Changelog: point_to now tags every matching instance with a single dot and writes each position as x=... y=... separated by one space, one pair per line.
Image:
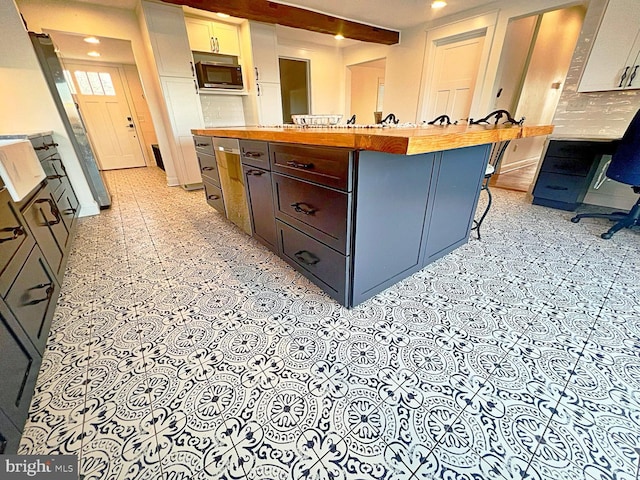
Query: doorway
x=533 y=67
x=100 y=91
x=457 y=62
x=367 y=90
x=294 y=87
x=110 y=97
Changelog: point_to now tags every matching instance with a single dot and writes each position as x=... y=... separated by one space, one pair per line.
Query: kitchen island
x=356 y=210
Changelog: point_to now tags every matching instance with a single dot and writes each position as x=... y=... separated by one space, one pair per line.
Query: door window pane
x=96 y=85
x=107 y=84
x=83 y=82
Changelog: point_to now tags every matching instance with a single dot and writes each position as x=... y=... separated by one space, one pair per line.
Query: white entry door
x=456 y=67
x=109 y=120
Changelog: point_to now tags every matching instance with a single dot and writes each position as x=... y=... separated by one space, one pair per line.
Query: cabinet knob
x=306 y=257
x=307 y=211
x=213 y=197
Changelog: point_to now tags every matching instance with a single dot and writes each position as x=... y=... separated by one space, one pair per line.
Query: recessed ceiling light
x=93 y=54
x=438 y=4
x=339 y=37
x=223 y=15
x=91 y=40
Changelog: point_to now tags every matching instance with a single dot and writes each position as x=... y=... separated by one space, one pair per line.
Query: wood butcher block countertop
x=405 y=141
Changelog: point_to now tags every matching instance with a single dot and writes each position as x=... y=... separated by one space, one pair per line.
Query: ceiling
x=390 y=14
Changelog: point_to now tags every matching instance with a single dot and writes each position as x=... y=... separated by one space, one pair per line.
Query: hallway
x=183 y=349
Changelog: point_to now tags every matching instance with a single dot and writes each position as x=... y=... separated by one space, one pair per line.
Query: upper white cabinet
x=264 y=48
x=614 y=60
x=168 y=37
x=216 y=37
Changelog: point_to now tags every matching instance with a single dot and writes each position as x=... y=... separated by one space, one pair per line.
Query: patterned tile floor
x=182 y=349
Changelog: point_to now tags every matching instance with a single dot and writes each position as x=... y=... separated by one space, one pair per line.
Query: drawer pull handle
x=306 y=257
x=255 y=173
x=555 y=187
x=42 y=147
x=624 y=75
x=207 y=169
x=633 y=75
x=54 y=177
x=16 y=231
x=213 y=197
x=307 y=211
x=306 y=166
x=54 y=211
x=253 y=154
x=47 y=145
x=202 y=145
x=49 y=293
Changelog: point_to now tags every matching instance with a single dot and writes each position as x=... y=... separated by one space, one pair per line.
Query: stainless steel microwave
x=217 y=75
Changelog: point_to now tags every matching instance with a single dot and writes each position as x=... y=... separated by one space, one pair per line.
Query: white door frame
x=472 y=27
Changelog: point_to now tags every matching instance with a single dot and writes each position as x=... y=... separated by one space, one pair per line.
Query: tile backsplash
x=222 y=110
x=593 y=113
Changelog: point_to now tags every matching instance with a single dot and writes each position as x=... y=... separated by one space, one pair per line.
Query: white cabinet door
x=200 y=34
x=169 y=42
x=265 y=53
x=185 y=113
x=269 y=104
x=215 y=37
x=614 y=55
x=226 y=38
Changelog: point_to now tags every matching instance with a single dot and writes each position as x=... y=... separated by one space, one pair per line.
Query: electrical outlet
x=578 y=104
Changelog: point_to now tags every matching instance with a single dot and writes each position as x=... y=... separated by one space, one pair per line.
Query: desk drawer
x=323 y=265
x=328 y=166
x=203 y=144
x=567 y=166
x=321 y=212
x=562 y=188
x=208 y=167
x=571 y=149
x=13 y=231
x=255 y=153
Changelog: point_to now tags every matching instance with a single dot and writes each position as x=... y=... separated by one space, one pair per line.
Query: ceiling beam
x=271 y=12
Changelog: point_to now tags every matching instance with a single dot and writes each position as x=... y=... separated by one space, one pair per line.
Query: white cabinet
x=262 y=73
x=264 y=48
x=185 y=113
x=216 y=37
x=269 y=103
x=614 y=60
x=168 y=38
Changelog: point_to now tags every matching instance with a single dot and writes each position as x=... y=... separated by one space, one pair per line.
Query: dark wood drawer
x=324 y=266
x=208 y=168
x=255 y=153
x=321 y=212
x=572 y=149
x=13 y=232
x=55 y=171
x=20 y=365
x=567 y=165
x=45 y=222
x=203 y=144
x=213 y=194
x=32 y=296
x=259 y=191
x=67 y=204
x=324 y=165
x=561 y=188
x=44 y=146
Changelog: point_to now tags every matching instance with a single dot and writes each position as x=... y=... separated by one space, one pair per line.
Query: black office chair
x=495 y=157
x=624 y=168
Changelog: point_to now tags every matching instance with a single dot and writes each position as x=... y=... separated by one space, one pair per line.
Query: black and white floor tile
x=183 y=349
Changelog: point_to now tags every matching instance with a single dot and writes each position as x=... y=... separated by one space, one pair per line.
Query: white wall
x=326 y=72
x=83 y=18
x=27 y=105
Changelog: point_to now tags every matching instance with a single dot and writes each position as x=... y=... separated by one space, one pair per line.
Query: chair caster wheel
x=575 y=219
x=606 y=235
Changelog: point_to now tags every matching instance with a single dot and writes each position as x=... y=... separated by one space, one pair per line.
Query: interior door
x=110 y=122
x=456 y=70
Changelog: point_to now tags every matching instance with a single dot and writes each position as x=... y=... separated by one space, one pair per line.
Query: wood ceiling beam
x=271 y=12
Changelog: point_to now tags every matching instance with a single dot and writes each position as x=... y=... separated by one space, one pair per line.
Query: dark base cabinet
x=357 y=222
x=567 y=170
x=37 y=232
